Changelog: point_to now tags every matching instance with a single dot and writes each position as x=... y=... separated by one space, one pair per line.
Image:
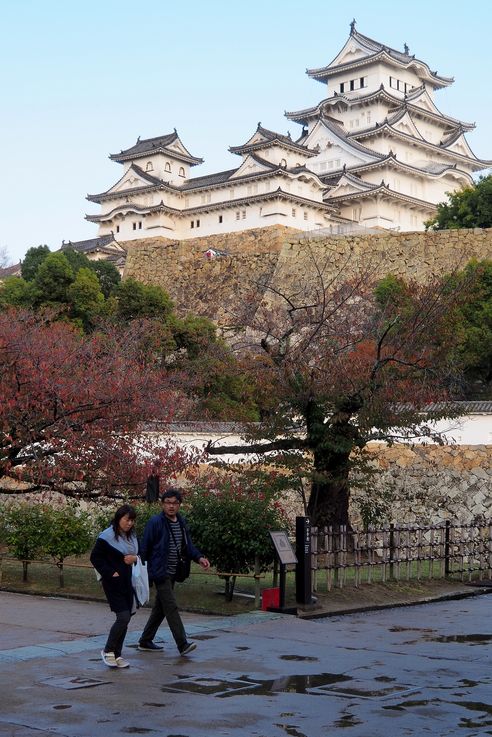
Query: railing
x=343 y=556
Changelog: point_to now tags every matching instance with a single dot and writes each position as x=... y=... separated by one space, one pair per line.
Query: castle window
x=181 y=171
x=117 y=228
x=238 y=215
x=363 y=81
x=352 y=84
x=134 y=226
x=305 y=216
x=140 y=225
x=283 y=162
x=243 y=214
x=197 y=223
x=293 y=212
x=192 y=224
x=221 y=219
x=167 y=167
x=342 y=87
x=149 y=166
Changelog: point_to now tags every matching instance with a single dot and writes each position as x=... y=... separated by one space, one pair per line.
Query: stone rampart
x=286 y=259
x=429 y=483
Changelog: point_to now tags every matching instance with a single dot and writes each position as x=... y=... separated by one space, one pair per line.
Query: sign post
x=304 y=594
x=286 y=556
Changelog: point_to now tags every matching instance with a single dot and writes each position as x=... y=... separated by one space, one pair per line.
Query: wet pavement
x=404 y=671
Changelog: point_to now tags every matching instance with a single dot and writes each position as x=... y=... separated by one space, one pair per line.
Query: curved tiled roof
x=384 y=189
x=270 y=138
x=91 y=244
x=377 y=51
x=146 y=146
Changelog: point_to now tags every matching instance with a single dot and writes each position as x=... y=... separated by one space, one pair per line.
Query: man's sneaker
x=187 y=648
x=149 y=647
x=122 y=663
x=109 y=659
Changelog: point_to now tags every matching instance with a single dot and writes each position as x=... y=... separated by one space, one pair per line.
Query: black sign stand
x=304 y=594
x=285 y=556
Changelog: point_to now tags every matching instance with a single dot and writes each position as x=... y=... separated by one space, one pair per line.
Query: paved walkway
x=406 y=671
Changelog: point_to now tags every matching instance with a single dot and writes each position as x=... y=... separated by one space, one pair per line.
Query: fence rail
x=343 y=556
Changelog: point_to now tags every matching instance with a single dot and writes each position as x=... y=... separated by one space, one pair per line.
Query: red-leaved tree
x=338 y=364
x=72 y=406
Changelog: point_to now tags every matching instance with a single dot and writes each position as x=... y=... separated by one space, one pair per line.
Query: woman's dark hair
x=115 y=522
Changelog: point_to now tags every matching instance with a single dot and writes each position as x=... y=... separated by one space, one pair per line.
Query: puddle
x=63 y=706
x=303 y=684
x=348 y=720
x=306 y=658
x=241 y=647
x=290 y=730
x=475 y=639
x=205 y=637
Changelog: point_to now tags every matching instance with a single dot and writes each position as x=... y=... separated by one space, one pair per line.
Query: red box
x=270 y=598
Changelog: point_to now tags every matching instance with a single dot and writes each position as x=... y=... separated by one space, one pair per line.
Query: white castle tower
x=375 y=153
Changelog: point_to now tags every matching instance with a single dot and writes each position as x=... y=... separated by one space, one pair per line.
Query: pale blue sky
x=81 y=80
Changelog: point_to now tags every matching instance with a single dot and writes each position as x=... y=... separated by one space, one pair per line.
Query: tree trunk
x=332 y=444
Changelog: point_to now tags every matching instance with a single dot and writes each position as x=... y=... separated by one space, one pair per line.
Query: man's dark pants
x=165 y=607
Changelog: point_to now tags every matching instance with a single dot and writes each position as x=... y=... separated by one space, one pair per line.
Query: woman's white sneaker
x=122 y=663
x=109 y=659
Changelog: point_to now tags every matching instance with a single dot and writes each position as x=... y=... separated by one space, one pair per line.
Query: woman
x=113 y=556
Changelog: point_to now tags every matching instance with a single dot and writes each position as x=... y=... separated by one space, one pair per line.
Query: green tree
x=68 y=531
x=52 y=280
x=32 y=260
x=16 y=292
x=24 y=531
x=137 y=300
x=470 y=207
x=76 y=259
x=230 y=517
x=86 y=298
x=108 y=275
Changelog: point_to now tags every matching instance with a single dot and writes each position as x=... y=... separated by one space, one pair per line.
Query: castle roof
x=105 y=243
x=430 y=112
x=365 y=51
x=170 y=144
x=264 y=138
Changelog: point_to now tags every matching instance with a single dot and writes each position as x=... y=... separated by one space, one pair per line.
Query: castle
x=375 y=153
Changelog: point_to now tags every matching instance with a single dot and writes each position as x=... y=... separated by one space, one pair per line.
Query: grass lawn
x=202 y=592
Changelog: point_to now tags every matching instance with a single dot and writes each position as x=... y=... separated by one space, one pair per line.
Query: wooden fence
x=343 y=556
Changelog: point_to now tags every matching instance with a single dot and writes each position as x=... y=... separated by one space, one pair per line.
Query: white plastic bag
x=140 y=581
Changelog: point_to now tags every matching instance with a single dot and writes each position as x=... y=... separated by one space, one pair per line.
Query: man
x=166 y=535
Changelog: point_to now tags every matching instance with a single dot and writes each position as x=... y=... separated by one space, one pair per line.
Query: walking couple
x=166 y=539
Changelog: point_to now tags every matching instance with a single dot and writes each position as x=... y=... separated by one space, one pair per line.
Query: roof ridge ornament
x=352 y=27
x=406 y=50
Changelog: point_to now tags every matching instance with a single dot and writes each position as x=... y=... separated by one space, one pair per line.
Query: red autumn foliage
x=71 y=405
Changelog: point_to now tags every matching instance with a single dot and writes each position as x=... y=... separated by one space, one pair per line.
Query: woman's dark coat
x=118 y=589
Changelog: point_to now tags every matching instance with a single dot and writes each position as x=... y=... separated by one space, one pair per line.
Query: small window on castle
x=140 y=225
x=243 y=214
x=363 y=81
x=192 y=224
x=305 y=216
x=238 y=215
x=221 y=219
x=117 y=228
x=352 y=85
x=181 y=171
x=293 y=212
x=149 y=166
x=283 y=162
x=167 y=167
x=342 y=87
x=197 y=223
x=134 y=226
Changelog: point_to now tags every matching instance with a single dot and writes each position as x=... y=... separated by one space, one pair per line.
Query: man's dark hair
x=172 y=491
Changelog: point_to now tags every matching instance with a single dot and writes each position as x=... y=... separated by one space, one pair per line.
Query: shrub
x=230 y=516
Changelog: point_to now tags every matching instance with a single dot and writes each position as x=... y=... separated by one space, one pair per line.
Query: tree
x=24 y=527
x=71 y=406
x=230 y=517
x=137 y=300
x=32 y=260
x=68 y=531
x=86 y=298
x=108 y=275
x=336 y=369
x=470 y=207
x=52 y=280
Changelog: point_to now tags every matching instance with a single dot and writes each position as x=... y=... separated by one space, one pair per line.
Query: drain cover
x=70 y=682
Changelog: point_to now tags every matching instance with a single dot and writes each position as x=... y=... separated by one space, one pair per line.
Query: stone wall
x=429 y=483
x=286 y=259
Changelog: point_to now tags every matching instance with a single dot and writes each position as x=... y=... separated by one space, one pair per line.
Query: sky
x=80 y=80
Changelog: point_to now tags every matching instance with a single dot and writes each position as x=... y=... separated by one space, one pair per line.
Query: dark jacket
x=155 y=546
x=118 y=589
